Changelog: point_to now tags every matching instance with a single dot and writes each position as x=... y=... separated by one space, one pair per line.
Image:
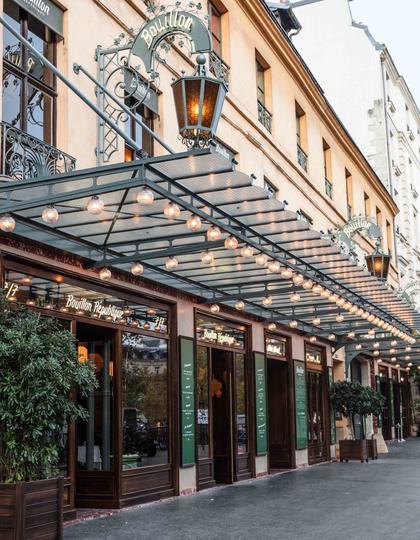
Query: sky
x=397 y=24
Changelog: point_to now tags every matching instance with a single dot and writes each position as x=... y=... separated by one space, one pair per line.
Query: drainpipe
x=388 y=156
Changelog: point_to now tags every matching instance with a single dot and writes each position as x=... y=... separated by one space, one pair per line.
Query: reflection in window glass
x=145 y=400
x=11 y=99
x=11 y=45
x=240 y=403
x=39 y=113
x=203 y=403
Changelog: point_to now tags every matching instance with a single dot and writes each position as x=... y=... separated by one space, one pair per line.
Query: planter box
x=354 y=450
x=372 y=449
x=32 y=510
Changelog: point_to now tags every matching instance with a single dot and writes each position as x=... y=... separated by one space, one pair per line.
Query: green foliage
x=39 y=372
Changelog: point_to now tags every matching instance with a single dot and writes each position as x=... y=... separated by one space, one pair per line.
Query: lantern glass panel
x=179 y=103
x=209 y=102
x=192 y=96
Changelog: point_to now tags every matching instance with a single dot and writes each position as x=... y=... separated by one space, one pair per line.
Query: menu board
x=300 y=405
x=187 y=402
x=260 y=403
x=332 y=415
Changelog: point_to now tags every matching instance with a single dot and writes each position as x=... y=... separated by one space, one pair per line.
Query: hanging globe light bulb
x=7 y=223
x=171 y=263
x=308 y=284
x=272 y=326
x=231 y=242
x=50 y=214
x=267 y=300
x=95 y=205
x=194 y=223
x=240 y=304
x=213 y=234
x=316 y=321
x=293 y=324
x=298 y=279
x=376 y=345
x=247 y=251
x=207 y=258
x=351 y=335
x=286 y=273
x=274 y=267
x=331 y=337
x=358 y=346
x=171 y=210
x=317 y=288
x=339 y=318
x=295 y=297
x=214 y=308
x=312 y=339
x=136 y=268
x=261 y=259
x=145 y=197
x=105 y=274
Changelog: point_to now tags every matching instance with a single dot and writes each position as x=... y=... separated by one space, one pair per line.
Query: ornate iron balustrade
x=219 y=68
x=328 y=188
x=24 y=156
x=264 y=116
x=302 y=158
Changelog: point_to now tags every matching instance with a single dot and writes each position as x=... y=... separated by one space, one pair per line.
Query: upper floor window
x=378 y=216
x=271 y=189
x=349 y=193
x=327 y=169
x=367 y=205
x=215 y=28
x=389 y=236
x=301 y=137
x=29 y=91
x=261 y=70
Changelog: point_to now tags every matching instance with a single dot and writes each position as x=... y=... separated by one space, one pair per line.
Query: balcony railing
x=328 y=188
x=219 y=68
x=24 y=156
x=264 y=116
x=302 y=158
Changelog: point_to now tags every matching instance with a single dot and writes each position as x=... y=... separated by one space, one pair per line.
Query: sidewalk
x=379 y=500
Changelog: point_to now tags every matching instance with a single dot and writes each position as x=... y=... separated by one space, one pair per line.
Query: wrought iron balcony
x=328 y=188
x=24 y=156
x=302 y=158
x=264 y=116
x=219 y=68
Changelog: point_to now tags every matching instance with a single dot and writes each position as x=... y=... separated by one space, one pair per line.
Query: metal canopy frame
x=204 y=183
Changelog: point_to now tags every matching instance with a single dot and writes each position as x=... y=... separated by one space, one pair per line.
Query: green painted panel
x=301 y=406
x=187 y=365
x=332 y=415
x=378 y=389
x=391 y=401
x=260 y=404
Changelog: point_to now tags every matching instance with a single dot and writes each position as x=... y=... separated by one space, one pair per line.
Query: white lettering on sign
x=173 y=20
x=222 y=339
x=97 y=306
x=39 y=5
x=356 y=224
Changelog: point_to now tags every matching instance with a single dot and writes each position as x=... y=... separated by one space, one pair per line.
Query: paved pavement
x=375 y=501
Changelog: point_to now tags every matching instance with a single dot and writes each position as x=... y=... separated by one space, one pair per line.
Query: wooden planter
x=32 y=510
x=354 y=450
x=372 y=449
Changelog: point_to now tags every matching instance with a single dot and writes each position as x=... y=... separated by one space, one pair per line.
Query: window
x=327 y=169
x=142 y=137
x=240 y=394
x=349 y=193
x=301 y=137
x=28 y=88
x=261 y=69
x=271 y=189
x=367 y=205
x=215 y=29
x=145 y=400
x=378 y=217
x=389 y=236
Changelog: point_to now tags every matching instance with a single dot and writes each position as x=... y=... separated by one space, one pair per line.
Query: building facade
x=197 y=345
x=375 y=104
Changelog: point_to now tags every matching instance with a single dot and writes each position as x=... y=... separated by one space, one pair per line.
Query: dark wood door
x=405 y=392
x=386 y=419
x=222 y=416
x=279 y=438
x=397 y=409
x=317 y=434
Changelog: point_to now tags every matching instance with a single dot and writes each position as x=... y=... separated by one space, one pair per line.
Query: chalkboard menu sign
x=378 y=389
x=300 y=405
x=187 y=402
x=391 y=401
x=332 y=415
x=260 y=404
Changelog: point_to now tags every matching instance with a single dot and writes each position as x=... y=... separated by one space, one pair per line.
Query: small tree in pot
x=350 y=398
x=39 y=372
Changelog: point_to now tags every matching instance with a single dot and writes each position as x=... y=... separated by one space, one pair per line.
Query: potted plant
x=370 y=402
x=39 y=372
x=351 y=398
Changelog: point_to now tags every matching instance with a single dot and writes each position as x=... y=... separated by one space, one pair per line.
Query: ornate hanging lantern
x=198 y=103
x=378 y=264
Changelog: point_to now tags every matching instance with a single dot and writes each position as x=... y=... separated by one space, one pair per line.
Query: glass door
x=316 y=420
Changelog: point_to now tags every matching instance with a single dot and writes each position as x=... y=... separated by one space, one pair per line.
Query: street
x=378 y=500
